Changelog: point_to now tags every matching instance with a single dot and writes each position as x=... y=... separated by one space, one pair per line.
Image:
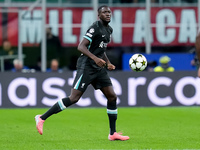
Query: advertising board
x=144 y=89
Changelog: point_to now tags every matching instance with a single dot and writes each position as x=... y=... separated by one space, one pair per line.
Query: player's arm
x=82 y=47
x=109 y=65
x=197 y=45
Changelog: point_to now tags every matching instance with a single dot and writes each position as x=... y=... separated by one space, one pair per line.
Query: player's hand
x=110 y=67
x=198 y=73
x=100 y=62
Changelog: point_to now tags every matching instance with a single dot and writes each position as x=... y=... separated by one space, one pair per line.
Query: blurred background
x=36 y=32
x=38 y=53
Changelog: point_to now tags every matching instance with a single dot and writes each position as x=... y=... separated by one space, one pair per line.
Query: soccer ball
x=138 y=62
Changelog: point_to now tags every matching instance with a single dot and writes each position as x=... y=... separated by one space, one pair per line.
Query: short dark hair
x=99 y=9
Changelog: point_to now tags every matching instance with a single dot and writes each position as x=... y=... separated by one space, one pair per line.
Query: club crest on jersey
x=91 y=30
x=103 y=45
x=83 y=84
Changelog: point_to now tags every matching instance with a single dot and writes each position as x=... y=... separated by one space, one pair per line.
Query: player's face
x=105 y=14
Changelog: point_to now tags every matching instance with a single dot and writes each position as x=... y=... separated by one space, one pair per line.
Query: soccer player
x=197 y=45
x=91 y=69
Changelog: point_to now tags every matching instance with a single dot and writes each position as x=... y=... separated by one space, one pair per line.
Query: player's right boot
x=39 y=124
x=117 y=136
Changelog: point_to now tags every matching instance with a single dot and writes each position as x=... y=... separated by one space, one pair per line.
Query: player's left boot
x=117 y=136
x=39 y=124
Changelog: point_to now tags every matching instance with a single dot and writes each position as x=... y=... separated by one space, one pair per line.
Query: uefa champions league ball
x=138 y=62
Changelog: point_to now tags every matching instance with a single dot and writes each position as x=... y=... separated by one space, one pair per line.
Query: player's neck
x=104 y=23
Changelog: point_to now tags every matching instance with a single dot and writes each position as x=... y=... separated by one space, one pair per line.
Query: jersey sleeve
x=111 y=31
x=90 y=33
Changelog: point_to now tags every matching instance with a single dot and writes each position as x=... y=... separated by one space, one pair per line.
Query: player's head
x=104 y=13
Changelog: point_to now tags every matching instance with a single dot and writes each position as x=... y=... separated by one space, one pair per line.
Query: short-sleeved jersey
x=99 y=37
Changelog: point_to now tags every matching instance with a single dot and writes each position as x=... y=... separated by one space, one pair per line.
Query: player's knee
x=74 y=99
x=112 y=98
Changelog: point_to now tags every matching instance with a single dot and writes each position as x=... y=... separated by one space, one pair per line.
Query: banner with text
x=38 y=90
x=171 y=26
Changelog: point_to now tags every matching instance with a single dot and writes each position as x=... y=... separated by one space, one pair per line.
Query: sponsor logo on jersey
x=103 y=45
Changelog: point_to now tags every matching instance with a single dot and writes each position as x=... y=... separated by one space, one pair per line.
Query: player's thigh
x=109 y=93
x=102 y=80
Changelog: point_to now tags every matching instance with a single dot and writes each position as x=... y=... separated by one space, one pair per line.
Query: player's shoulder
x=110 y=28
x=93 y=28
x=95 y=25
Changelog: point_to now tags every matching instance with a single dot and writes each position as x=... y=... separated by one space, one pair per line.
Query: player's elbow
x=80 y=48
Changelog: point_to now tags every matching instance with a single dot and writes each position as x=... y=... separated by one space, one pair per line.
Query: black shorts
x=98 y=79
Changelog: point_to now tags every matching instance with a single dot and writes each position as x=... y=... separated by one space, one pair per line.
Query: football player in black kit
x=91 y=69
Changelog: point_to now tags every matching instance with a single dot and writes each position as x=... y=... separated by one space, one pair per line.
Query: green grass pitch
x=87 y=128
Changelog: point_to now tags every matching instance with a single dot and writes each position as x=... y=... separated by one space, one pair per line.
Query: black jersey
x=99 y=36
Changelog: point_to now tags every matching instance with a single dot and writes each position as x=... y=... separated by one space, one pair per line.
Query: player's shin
x=112 y=115
x=57 y=107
